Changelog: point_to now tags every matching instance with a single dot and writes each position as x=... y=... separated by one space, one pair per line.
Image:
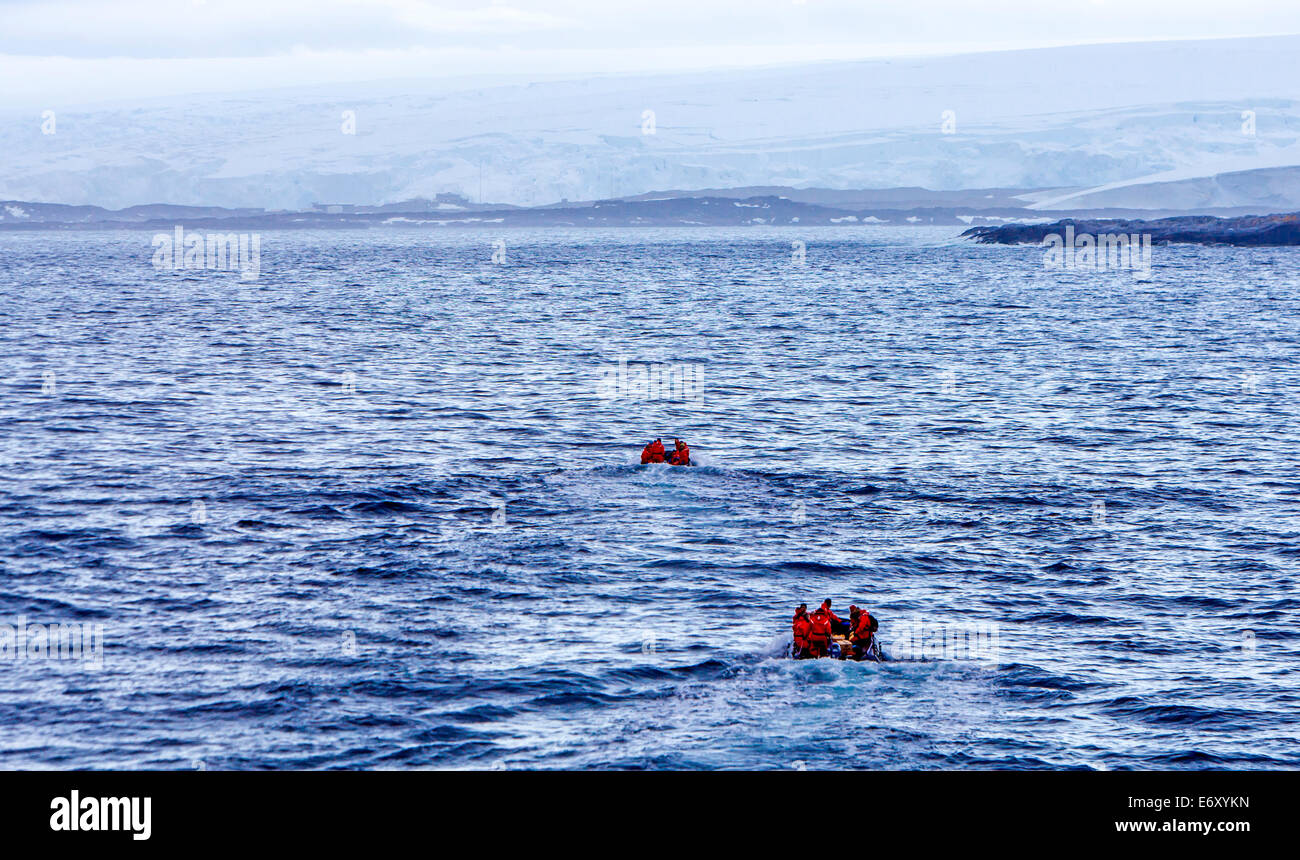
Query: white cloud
x=74 y=51
x=216 y=28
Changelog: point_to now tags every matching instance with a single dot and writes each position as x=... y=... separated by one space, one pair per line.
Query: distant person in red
x=802 y=627
x=681 y=456
x=864 y=627
x=838 y=624
x=653 y=453
x=819 y=633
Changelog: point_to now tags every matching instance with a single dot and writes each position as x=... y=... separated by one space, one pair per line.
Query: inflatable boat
x=656 y=454
x=842 y=649
x=666 y=463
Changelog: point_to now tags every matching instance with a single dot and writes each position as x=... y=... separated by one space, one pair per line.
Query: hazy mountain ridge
x=662 y=211
x=1104 y=114
x=1275 y=188
x=717 y=207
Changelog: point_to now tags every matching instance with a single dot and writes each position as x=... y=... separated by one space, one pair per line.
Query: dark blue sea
x=374 y=509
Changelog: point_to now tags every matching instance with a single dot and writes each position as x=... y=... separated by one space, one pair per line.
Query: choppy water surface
x=1103 y=467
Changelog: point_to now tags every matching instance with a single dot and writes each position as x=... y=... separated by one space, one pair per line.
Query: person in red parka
x=681 y=455
x=802 y=626
x=653 y=453
x=838 y=624
x=819 y=633
x=864 y=628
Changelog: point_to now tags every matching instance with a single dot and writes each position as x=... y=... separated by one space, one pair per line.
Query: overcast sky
x=89 y=50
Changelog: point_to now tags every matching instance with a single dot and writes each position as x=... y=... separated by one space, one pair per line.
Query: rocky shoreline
x=1281 y=229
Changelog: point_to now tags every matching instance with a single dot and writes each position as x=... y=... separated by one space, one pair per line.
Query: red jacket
x=680 y=457
x=865 y=627
x=833 y=616
x=821 y=626
x=802 y=627
x=653 y=453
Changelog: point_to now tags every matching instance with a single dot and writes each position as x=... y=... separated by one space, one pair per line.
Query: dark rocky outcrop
x=1283 y=229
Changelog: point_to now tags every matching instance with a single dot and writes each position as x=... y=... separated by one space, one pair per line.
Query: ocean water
x=374 y=509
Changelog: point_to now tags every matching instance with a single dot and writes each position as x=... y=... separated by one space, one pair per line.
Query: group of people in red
x=813 y=631
x=655 y=453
